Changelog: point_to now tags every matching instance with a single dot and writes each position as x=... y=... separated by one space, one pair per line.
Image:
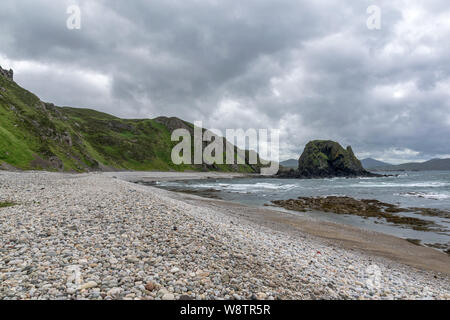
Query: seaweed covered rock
x=367 y=208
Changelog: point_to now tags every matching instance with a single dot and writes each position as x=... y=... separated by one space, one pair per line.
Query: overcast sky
x=312 y=69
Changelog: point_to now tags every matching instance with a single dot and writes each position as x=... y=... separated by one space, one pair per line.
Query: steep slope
x=38 y=135
x=370 y=163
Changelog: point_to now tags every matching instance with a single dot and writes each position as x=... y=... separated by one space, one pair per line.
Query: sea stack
x=326 y=158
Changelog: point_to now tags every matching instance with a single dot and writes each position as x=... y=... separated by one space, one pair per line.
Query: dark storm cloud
x=311 y=68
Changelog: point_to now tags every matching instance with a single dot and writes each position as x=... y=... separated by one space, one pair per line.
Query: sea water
x=428 y=189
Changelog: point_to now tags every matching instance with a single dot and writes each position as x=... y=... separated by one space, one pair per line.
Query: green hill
x=39 y=135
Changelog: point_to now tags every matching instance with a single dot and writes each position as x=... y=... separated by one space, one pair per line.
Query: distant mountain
x=433 y=164
x=370 y=163
x=291 y=163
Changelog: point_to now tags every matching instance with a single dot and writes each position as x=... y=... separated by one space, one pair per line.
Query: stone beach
x=98 y=236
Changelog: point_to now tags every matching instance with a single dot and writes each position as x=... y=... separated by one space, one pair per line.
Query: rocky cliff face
x=325 y=158
x=8 y=74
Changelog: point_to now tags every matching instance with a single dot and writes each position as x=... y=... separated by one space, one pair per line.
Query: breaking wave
x=425 y=195
x=246 y=188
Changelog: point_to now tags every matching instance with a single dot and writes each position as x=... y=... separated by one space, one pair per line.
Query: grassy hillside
x=38 y=135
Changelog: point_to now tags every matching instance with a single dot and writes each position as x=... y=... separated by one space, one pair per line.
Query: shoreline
x=287 y=215
x=349 y=237
x=368 y=242
x=139 y=242
x=148 y=176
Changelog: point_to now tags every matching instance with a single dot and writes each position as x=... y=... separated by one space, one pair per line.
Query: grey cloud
x=312 y=69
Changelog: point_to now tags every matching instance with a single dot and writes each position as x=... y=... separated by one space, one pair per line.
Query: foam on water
x=433 y=196
x=427 y=184
x=245 y=187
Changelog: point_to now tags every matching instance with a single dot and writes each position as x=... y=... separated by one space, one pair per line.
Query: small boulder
x=168 y=296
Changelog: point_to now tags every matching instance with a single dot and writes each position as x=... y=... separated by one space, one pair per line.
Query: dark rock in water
x=325 y=158
x=445 y=247
x=328 y=158
x=416 y=242
x=366 y=208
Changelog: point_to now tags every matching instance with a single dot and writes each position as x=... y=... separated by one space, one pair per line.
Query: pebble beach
x=97 y=236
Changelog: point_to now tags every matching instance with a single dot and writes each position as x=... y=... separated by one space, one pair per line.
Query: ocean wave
x=332 y=179
x=245 y=188
x=425 y=195
x=427 y=184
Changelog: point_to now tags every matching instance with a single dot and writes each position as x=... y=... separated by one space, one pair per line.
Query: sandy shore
x=100 y=236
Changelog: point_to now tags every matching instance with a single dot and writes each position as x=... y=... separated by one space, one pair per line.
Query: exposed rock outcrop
x=9 y=74
x=325 y=158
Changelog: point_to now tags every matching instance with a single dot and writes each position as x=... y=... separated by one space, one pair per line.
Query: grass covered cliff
x=39 y=135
